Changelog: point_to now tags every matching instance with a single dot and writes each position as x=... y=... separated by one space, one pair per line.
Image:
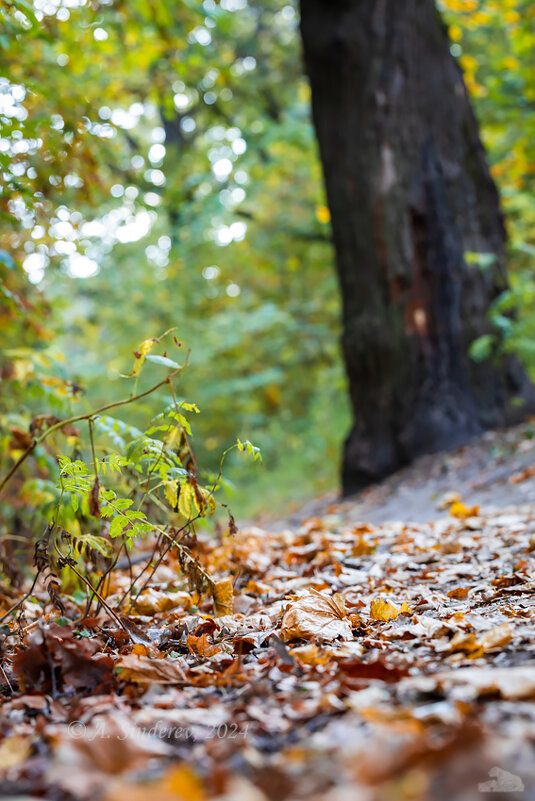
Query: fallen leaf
x=384 y=610
x=223 y=594
x=523 y=475
x=464 y=641
x=496 y=638
x=356 y=669
x=200 y=646
x=14 y=750
x=316 y=615
x=152 y=601
x=461 y=511
x=143 y=670
x=76 y=663
x=459 y=593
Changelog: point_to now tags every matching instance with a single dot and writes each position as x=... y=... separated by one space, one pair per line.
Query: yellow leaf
x=171 y=493
x=384 y=610
x=173 y=438
x=466 y=642
x=184 y=784
x=140 y=355
x=323 y=215
x=14 y=750
x=460 y=510
x=223 y=595
x=187 y=502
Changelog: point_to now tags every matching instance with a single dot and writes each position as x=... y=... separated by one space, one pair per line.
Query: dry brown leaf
x=496 y=638
x=152 y=601
x=201 y=646
x=316 y=615
x=143 y=670
x=223 y=594
x=523 y=475
x=464 y=641
x=112 y=744
x=459 y=593
x=492 y=640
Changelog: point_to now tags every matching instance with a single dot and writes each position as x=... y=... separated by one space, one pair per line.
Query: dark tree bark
x=410 y=193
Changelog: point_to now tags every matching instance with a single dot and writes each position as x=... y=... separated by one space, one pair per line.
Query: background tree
x=410 y=194
x=160 y=168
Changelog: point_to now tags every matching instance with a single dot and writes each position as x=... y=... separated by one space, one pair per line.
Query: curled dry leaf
x=316 y=615
x=94 y=498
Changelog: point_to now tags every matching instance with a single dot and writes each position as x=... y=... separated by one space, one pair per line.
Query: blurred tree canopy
x=160 y=170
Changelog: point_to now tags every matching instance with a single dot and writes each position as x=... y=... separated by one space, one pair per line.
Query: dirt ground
x=492 y=472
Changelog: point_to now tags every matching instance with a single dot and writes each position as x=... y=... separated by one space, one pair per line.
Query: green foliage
x=117 y=484
x=160 y=171
x=494 y=42
x=187 y=189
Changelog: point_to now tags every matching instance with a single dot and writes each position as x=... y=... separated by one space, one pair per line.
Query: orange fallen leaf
x=223 y=595
x=178 y=784
x=459 y=593
x=200 y=645
x=465 y=642
x=310 y=654
x=461 y=511
x=523 y=475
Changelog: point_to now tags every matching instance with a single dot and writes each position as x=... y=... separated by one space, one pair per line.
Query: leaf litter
x=334 y=661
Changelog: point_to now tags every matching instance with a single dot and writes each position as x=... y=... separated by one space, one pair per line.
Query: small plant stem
x=78 y=418
x=106 y=606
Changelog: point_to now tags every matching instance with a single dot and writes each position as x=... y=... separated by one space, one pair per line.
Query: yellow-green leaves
x=195 y=501
x=171 y=493
x=140 y=355
x=250 y=449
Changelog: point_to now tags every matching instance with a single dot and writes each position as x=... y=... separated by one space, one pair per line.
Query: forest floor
x=379 y=649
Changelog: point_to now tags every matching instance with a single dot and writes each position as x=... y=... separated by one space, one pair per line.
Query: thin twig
x=78 y=418
x=19 y=603
x=106 y=606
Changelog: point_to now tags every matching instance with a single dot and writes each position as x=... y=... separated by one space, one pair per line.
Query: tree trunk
x=410 y=193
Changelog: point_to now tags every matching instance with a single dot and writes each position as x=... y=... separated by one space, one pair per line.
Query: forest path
x=344 y=661
x=496 y=470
